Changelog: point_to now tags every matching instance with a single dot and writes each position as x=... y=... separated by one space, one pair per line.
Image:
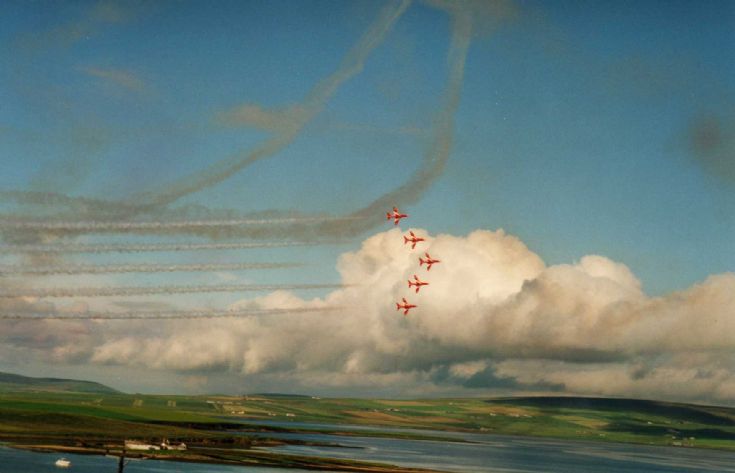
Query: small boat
x=62 y=463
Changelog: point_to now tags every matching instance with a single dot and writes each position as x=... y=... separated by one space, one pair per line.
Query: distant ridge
x=706 y=414
x=17 y=383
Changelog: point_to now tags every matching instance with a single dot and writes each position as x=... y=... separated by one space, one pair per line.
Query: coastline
x=234 y=457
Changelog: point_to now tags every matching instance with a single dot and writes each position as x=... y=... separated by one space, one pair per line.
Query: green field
x=100 y=423
x=618 y=420
x=10 y=382
x=141 y=416
x=85 y=417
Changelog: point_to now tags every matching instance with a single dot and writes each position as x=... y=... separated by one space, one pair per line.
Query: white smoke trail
x=91 y=226
x=431 y=168
x=155 y=247
x=301 y=115
x=150 y=290
x=410 y=191
x=170 y=314
x=360 y=220
x=56 y=199
x=138 y=268
x=439 y=151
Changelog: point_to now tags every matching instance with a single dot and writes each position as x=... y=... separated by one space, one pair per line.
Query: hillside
x=219 y=428
x=13 y=383
x=674 y=411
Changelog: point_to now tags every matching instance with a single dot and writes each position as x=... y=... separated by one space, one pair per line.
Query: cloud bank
x=494 y=316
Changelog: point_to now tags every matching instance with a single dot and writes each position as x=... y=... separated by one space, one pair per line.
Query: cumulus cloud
x=468 y=369
x=51 y=340
x=688 y=376
x=494 y=315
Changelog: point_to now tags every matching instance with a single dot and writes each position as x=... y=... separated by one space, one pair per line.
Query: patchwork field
x=117 y=416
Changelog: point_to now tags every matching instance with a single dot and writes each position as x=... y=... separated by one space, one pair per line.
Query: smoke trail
x=150 y=290
x=138 y=268
x=56 y=199
x=362 y=219
x=172 y=314
x=300 y=116
x=371 y=215
x=438 y=153
x=158 y=225
x=410 y=191
x=156 y=247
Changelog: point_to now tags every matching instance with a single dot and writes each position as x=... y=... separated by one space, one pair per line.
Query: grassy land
x=102 y=421
x=617 y=420
x=18 y=383
x=99 y=424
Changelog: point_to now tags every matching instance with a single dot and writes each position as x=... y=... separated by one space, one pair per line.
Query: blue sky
x=577 y=129
x=572 y=132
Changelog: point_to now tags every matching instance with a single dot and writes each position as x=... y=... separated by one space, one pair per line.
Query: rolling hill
x=10 y=383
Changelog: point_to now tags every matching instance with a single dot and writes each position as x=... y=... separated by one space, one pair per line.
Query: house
x=137 y=445
x=164 y=445
x=167 y=446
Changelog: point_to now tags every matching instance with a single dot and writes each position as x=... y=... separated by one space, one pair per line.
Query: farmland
x=112 y=417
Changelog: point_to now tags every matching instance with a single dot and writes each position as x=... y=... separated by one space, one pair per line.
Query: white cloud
x=690 y=376
x=467 y=369
x=493 y=309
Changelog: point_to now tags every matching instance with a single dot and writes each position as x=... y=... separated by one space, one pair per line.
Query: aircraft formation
x=406 y=306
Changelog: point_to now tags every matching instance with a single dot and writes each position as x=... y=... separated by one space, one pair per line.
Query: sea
x=479 y=453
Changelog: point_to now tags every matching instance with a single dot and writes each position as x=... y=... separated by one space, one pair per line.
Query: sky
x=571 y=163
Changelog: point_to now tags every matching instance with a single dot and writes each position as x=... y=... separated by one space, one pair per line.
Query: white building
x=136 y=445
x=164 y=445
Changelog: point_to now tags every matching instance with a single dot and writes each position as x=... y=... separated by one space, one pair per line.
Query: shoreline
x=234 y=457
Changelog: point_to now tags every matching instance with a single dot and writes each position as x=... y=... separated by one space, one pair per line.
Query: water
x=21 y=461
x=487 y=454
x=508 y=454
x=504 y=454
x=349 y=427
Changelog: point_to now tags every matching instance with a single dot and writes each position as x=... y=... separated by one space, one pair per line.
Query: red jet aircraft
x=396 y=215
x=405 y=306
x=418 y=283
x=428 y=261
x=414 y=239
